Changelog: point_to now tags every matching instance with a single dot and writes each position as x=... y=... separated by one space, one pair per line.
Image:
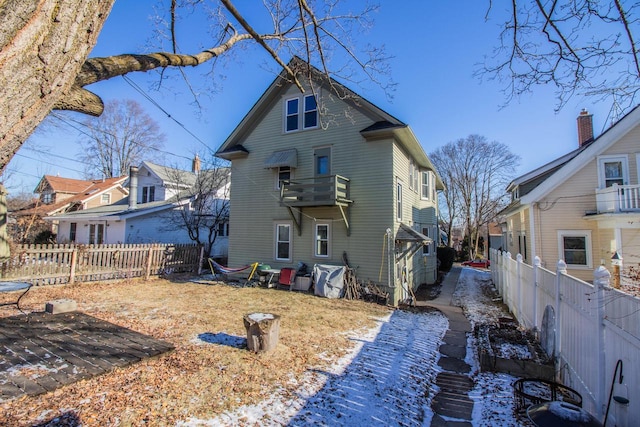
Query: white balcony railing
x=618 y=198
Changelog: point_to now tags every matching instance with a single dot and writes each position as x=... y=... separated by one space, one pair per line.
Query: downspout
x=390 y=256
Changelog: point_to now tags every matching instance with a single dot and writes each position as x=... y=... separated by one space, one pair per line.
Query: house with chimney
x=583 y=207
x=58 y=194
x=162 y=205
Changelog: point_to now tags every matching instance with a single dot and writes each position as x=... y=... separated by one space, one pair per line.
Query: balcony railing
x=332 y=190
x=618 y=198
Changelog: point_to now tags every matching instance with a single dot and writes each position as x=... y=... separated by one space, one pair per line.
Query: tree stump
x=262 y=331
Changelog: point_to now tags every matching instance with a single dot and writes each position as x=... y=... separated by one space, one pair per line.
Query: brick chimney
x=585 y=127
x=133 y=187
x=195 y=165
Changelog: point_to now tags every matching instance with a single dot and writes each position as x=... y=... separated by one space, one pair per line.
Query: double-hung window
x=575 y=247
x=283 y=242
x=321 y=240
x=105 y=199
x=425 y=186
x=96 y=234
x=426 y=249
x=72 y=231
x=284 y=174
x=301 y=113
x=148 y=194
x=292 y=114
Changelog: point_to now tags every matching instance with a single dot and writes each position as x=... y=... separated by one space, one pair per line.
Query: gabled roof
x=169 y=175
x=571 y=163
x=88 y=190
x=384 y=123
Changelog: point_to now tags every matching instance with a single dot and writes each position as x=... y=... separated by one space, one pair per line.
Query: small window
x=310 y=112
x=575 y=247
x=399 y=201
x=47 y=198
x=321 y=241
x=96 y=234
x=105 y=199
x=613 y=169
x=223 y=229
x=148 y=194
x=292 y=107
x=425 y=186
x=72 y=231
x=412 y=171
x=283 y=242
x=613 y=173
x=284 y=174
x=426 y=249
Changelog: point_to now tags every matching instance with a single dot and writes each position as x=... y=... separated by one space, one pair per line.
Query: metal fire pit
x=535 y=391
x=553 y=414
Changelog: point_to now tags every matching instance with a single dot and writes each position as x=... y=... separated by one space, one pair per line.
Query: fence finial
x=601 y=277
x=562 y=267
x=519 y=257
x=537 y=261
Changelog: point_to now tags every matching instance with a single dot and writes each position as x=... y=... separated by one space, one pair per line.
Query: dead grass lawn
x=197 y=379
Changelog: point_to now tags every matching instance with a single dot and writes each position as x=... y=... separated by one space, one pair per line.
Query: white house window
x=321 y=240
x=72 y=231
x=305 y=119
x=412 y=169
x=613 y=170
x=96 y=234
x=425 y=186
x=105 y=199
x=399 y=200
x=148 y=194
x=283 y=242
x=284 y=174
x=426 y=249
x=292 y=114
x=310 y=112
x=47 y=198
x=575 y=247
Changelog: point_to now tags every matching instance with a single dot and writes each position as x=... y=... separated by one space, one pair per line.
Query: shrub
x=446 y=256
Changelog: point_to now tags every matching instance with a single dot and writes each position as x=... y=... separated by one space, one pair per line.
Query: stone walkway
x=452 y=405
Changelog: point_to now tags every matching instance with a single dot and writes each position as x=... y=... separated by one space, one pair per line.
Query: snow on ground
x=388 y=378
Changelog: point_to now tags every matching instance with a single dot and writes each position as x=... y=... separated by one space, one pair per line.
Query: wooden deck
x=41 y=352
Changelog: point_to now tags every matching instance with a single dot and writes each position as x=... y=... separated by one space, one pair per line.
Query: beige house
x=583 y=206
x=319 y=177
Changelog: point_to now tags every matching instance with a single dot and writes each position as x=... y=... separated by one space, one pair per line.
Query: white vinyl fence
x=588 y=327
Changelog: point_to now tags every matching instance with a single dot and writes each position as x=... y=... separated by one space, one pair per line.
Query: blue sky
x=436 y=48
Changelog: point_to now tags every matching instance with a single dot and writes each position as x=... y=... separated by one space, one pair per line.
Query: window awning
x=408 y=234
x=282 y=158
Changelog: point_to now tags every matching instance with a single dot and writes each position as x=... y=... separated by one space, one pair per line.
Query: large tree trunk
x=43 y=45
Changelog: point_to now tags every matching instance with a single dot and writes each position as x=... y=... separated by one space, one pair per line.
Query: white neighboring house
x=153 y=215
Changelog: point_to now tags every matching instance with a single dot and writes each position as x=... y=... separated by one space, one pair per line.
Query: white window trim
x=609 y=158
x=301 y=112
x=304 y=112
x=286 y=115
x=428 y=251
x=576 y=233
x=412 y=170
x=326 y=223
x=106 y=196
x=422 y=185
x=399 y=205
x=276 y=185
x=275 y=240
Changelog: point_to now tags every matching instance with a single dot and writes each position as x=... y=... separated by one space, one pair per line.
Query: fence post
x=601 y=280
x=200 y=260
x=520 y=317
x=74 y=262
x=147 y=272
x=536 y=265
x=561 y=268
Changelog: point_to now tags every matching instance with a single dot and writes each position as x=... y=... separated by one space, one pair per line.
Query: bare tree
x=450 y=207
x=206 y=215
x=581 y=47
x=478 y=172
x=122 y=136
x=44 y=45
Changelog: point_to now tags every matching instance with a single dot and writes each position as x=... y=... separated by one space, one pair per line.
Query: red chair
x=287 y=278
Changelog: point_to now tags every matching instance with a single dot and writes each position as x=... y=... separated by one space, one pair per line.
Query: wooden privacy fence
x=58 y=264
x=587 y=327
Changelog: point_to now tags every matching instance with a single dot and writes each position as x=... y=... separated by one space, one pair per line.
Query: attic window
x=295 y=119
